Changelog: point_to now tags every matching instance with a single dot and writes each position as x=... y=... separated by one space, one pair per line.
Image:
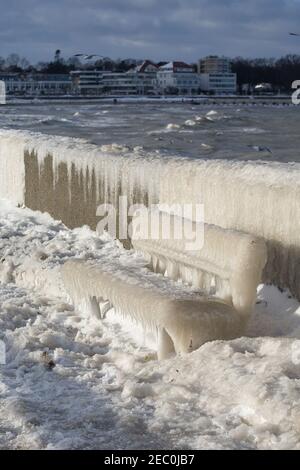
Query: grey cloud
x=159 y=29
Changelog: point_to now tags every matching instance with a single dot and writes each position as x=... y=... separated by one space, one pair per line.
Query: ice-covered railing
x=69 y=178
x=183 y=318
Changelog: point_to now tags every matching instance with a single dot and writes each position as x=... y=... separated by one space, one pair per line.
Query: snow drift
x=69 y=178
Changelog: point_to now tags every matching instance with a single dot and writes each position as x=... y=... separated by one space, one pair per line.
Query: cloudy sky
x=157 y=29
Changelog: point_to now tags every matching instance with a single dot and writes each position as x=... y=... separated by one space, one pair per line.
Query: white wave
x=212 y=113
x=172 y=126
x=190 y=122
x=253 y=130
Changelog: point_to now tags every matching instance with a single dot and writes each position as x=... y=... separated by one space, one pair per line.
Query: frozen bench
x=225 y=273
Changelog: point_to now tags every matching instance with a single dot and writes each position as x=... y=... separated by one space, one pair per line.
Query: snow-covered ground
x=104 y=388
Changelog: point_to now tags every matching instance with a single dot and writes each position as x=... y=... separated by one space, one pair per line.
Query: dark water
x=238 y=132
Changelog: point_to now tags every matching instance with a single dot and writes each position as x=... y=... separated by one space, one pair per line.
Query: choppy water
x=234 y=132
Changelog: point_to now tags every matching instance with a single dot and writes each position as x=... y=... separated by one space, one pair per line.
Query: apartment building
x=138 y=81
x=216 y=75
x=37 y=84
x=177 y=78
x=218 y=83
x=174 y=78
x=214 y=64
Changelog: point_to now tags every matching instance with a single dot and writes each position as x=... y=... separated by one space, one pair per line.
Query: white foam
x=212 y=113
x=190 y=123
x=172 y=126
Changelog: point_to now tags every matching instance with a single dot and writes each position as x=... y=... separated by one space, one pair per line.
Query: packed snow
x=77 y=382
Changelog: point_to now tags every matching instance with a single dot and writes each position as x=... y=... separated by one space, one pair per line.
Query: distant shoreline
x=195 y=100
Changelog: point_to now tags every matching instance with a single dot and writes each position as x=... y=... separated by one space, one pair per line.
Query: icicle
x=154 y=261
x=207 y=281
x=104 y=308
x=197 y=278
x=162 y=266
x=172 y=270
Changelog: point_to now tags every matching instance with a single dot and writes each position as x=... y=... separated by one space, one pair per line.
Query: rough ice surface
x=261 y=198
x=12 y=168
x=234 y=261
x=202 y=255
x=183 y=320
x=107 y=390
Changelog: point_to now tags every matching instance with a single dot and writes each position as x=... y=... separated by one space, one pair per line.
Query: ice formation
x=12 y=167
x=69 y=178
x=232 y=261
x=183 y=321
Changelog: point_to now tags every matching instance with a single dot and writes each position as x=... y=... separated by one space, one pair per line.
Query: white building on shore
x=218 y=83
x=138 y=81
x=177 y=78
x=37 y=84
x=214 y=64
x=173 y=78
x=216 y=75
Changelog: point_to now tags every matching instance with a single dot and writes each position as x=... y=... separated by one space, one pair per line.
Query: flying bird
x=294 y=34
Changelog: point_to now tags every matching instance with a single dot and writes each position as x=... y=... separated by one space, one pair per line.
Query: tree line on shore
x=280 y=73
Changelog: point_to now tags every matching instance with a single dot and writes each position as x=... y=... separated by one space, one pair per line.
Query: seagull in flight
x=294 y=34
x=88 y=56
